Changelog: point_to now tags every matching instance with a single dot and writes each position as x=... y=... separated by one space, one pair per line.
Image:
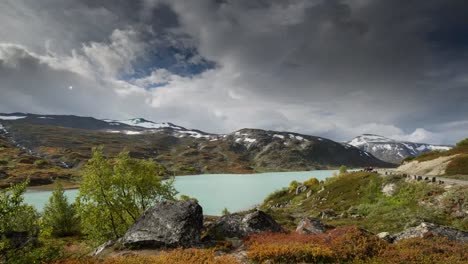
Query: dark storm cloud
x=333 y=68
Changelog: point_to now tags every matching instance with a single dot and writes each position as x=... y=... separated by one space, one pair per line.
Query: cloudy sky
x=333 y=68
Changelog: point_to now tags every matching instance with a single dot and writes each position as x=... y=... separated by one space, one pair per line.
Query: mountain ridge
x=67 y=141
x=390 y=150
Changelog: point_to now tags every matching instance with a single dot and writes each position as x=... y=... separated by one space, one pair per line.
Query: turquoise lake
x=217 y=191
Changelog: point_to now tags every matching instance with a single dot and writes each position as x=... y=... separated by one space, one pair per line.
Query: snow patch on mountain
x=140 y=122
x=391 y=150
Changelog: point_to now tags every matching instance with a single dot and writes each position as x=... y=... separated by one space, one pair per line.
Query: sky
x=331 y=68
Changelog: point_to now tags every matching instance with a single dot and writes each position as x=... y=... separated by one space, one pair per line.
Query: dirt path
x=447 y=181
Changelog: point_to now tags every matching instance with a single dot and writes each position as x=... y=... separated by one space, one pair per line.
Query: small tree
x=343 y=169
x=59 y=215
x=114 y=193
x=226 y=211
x=15 y=217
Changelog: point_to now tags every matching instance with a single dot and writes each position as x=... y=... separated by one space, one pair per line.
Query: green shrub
x=463 y=143
x=59 y=215
x=184 y=197
x=312 y=182
x=226 y=211
x=293 y=185
x=343 y=169
x=458 y=165
x=44 y=253
x=40 y=163
x=3 y=162
x=15 y=216
x=114 y=193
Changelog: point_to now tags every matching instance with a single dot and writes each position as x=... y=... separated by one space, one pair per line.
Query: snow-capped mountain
x=69 y=139
x=390 y=150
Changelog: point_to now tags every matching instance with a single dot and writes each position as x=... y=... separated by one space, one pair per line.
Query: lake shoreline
x=67 y=185
x=215 y=192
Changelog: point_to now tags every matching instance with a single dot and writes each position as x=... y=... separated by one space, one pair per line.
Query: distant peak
x=140 y=120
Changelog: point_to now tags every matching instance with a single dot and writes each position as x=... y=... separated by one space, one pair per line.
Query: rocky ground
x=180 y=224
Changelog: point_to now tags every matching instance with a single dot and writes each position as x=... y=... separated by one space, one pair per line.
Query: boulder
x=389 y=189
x=328 y=214
x=300 y=189
x=99 y=250
x=428 y=229
x=167 y=224
x=310 y=226
x=385 y=236
x=238 y=226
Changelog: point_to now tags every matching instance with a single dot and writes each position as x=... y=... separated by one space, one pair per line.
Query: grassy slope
x=73 y=146
x=358 y=198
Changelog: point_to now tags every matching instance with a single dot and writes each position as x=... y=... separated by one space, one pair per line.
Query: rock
x=234 y=225
x=428 y=229
x=167 y=224
x=309 y=193
x=386 y=236
x=281 y=205
x=310 y=226
x=103 y=247
x=327 y=213
x=389 y=189
x=301 y=189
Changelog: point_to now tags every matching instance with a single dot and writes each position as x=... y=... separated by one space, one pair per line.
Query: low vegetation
x=16 y=166
x=357 y=199
x=351 y=245
x=177 y=256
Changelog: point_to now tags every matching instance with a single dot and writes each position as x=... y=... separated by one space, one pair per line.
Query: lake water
x=217 y=191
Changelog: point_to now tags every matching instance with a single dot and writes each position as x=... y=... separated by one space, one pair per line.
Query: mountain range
x=66 y=141
x=391 y=150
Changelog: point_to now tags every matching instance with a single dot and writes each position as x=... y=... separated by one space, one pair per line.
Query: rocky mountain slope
x=68 y=140
x=390 y=150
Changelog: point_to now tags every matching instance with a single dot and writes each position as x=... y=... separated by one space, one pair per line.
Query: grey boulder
x=167 y=224
x=428 y=229
x=310 y=226
x=238 y=226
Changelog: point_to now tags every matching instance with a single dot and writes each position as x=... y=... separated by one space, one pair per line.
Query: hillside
x=370 y=201
x=66 y=141
x=390 y=150
x=452 y=163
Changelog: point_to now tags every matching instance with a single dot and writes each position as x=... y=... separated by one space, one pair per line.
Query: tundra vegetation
x=116 y=191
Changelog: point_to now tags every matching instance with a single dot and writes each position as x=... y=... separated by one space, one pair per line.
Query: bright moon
x=70 y=87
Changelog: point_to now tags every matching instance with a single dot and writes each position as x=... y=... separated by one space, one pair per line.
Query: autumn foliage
x=352 y=245
x=341 y=244
x=177 y=256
